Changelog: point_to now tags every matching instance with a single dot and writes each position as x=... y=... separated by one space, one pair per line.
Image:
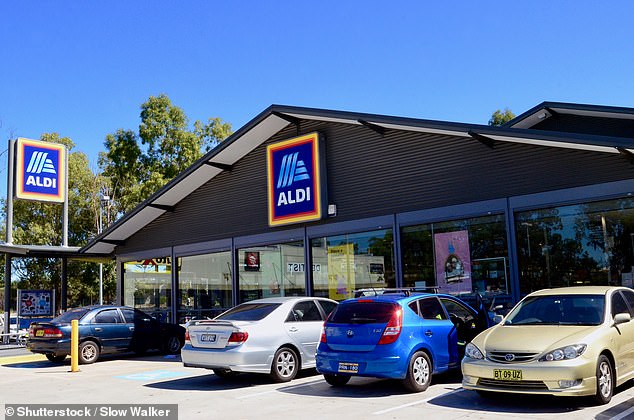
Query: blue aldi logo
x=40 y=171
x=294 y=180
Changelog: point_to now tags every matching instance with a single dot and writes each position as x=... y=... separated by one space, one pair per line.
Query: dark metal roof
x=546 y=109
x=277 y=117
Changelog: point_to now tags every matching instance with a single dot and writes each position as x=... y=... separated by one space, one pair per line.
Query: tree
x=499 y=118
x=136 y=166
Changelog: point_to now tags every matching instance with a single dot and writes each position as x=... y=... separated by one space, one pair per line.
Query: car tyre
x=56 y=358
x=336 y=380
x=172 y=345
x=224 y=373
x=605 y=380
x=285 y=365
x=88 y=352
x=419 y=372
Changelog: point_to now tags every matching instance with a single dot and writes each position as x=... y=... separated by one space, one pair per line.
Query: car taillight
x=187 y=338
x=393 y=328
x=322 y=339
x=45 y=332
x=238 y=337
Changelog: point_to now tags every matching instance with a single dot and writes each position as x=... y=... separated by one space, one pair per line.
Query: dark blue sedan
x=398 y=335
x=104 y=329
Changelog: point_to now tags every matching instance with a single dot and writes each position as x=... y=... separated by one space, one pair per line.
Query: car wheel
x=224 y=373
x=172 y=345
x=605 y=380
x=285 y=365
x=56 y=358
x=336 y=380
x=88 y=352
x=419 y=372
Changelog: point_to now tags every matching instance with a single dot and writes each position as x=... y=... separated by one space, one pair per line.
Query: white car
x=276 y=336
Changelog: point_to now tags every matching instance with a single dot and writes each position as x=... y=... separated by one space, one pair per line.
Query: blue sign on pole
x=40 y=171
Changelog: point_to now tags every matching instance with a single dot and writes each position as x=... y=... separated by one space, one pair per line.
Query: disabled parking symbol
x=153 y=375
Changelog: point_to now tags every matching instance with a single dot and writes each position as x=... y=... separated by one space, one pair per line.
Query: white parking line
x=398 y=407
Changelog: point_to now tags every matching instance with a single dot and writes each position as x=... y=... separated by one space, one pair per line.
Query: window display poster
x=251 y=261
x=453 y=261
x=341 y=279
x=35 y=303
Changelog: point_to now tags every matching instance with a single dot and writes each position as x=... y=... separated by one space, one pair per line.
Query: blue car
x=398 y=335
x=103 y=329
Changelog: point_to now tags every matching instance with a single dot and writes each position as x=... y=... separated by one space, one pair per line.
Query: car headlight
x=473 y=352
x=564 y=353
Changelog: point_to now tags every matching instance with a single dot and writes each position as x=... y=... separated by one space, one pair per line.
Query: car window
x=327 y=306
x=618 y=304
x=430 y=308
x=128 y=315
x=560 y=309
x=107 y=316
x=629 y=297
x=249 y=312
x=71 y=315
x=363 y=313
x=304 y=311
x=456 y=308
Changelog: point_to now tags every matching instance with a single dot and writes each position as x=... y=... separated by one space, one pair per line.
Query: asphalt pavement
x=199 y=394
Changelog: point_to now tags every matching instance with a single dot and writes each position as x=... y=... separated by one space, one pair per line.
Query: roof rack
x=407 y=291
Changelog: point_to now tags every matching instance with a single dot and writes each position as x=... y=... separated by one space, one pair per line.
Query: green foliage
x=136 y=166
x=499 y=118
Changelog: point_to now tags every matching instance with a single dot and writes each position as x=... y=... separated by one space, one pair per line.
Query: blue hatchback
x=398 y=335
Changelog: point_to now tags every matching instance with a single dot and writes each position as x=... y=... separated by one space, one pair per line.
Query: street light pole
x=104 y=199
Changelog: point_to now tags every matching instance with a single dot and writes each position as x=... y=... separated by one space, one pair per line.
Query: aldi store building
x=317 y=202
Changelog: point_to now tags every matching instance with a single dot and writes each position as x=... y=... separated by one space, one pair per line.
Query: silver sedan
x=277 y=336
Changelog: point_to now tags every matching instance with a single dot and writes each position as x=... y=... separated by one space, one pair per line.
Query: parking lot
x=199 y=394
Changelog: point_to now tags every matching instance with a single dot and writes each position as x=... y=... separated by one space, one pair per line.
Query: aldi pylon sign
x=40 y=171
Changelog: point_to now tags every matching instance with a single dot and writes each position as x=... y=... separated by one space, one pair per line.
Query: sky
x=83 y=68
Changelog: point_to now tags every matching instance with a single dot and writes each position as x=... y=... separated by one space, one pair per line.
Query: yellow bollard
x=74 y=346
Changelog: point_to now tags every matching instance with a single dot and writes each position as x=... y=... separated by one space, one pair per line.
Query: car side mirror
x=497 y=319
x=621 y=318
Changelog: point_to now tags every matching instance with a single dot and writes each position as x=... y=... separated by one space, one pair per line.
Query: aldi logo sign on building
x=40 y=171
x=295 y=185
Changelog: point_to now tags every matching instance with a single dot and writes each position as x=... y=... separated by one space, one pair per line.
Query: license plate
x=348 y=367
x=208 y=338
x=507 y=374
x=39 y=333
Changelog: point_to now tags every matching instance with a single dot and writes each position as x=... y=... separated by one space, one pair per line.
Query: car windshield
x=70 y=315
x=249 y=312
x=558 y=310
x=363 y=313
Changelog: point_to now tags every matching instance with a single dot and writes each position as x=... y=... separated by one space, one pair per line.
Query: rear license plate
x=507 y=374
x=208 y=338
x=345 y=367
x=39 y=333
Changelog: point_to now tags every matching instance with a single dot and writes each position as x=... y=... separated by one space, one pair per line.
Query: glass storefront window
x=459 y=256
x=205 y=288
x=148 y=286
x=584 y=244
x=344 y=263
x=271 y=270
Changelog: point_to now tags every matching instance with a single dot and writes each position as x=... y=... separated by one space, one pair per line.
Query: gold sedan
x=570 y=341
